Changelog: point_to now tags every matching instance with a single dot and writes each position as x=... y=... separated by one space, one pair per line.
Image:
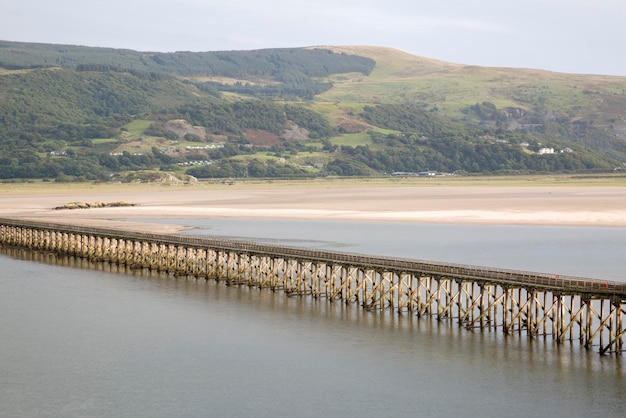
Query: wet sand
x=534 y=205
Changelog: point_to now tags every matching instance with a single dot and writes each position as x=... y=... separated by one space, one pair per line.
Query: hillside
x=70 y=112
x=587 y=109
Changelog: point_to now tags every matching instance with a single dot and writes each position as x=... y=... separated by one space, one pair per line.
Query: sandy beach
x=530 y=205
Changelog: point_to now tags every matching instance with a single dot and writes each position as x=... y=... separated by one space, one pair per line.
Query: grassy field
x=352 y=140
x=137 y=127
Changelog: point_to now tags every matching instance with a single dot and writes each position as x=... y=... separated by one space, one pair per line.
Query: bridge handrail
x=383 y=263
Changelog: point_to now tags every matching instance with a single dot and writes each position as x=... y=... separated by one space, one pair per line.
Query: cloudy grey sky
x=576 y=36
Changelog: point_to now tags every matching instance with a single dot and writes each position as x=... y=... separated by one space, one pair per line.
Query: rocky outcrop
x=85 y=205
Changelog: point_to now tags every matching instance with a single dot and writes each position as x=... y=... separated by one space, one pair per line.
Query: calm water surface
x=80 y=339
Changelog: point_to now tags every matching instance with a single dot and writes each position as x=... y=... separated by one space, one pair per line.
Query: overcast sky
x=576 y=36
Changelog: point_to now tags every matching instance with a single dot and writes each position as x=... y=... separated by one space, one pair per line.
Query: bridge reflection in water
x=537 y=305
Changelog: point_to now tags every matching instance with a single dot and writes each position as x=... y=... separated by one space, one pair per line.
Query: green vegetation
x=288 y=72
x=77 y=113
x=137 y=127
x=353 y=140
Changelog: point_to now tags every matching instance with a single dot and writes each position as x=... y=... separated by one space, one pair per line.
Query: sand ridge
x=541 y=205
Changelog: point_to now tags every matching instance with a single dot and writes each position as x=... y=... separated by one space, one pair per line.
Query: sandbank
x=519 y=205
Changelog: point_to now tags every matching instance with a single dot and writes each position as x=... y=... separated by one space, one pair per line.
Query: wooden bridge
x=537 y=305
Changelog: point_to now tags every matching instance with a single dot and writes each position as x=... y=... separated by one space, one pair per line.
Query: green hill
x=586 y=109
x=71 y=112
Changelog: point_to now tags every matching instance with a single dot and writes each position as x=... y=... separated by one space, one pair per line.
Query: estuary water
x=81 y=339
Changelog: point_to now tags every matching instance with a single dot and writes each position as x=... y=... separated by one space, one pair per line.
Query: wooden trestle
x=537 y=305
